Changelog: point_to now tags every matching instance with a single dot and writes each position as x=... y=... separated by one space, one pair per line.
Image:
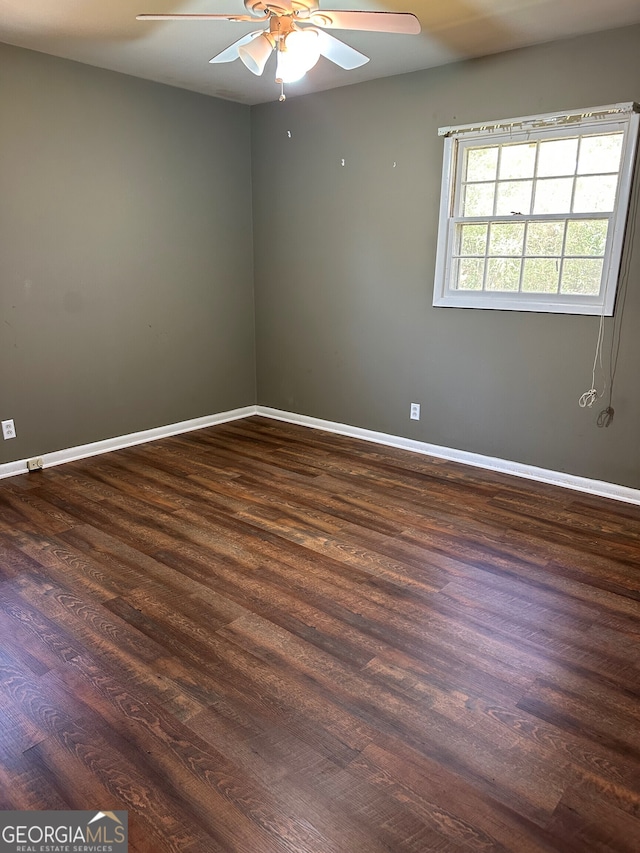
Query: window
x=533 y=212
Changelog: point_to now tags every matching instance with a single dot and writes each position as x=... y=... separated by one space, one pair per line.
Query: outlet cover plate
x=415 y=412
x=8 y=429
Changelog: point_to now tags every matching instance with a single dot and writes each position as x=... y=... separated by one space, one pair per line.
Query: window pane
x=600 y=153
x=518 y=161
x=514 y=197
x=553 y=195
x=478 y=200
x=557 y=157
x=545 y=238
x=482 y=164
x=581 y=276
x=540 y=275
x=503 y=274
x=470 y=273
x=586 y=237
x=473 y=239
x=595 y=194
x=506 y=238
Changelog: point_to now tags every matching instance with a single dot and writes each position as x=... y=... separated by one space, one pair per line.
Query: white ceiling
x=105 y=33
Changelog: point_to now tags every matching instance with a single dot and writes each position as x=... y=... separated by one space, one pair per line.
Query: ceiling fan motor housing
x=260 y=8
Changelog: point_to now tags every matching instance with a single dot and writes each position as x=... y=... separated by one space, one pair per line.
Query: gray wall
x=126 y=275
x=344 y=260
x=126 y=271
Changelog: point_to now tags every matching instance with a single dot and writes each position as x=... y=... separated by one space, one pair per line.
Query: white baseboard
x=71 y=454
x=504 y=466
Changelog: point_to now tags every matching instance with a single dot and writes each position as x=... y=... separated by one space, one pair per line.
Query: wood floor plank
x=439 y=724
x=588 y=826
x=261 y=638
x=24 y=786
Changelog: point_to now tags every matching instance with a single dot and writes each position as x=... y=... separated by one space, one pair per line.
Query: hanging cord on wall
x=605 y=417
x=589 y=397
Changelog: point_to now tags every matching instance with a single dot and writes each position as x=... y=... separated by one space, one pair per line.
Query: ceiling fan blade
x=376 y=22
x=198 y=17
x=229 y=54
x=337 y=51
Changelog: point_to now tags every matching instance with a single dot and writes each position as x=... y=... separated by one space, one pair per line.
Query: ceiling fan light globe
x=255 y=54
x=300 y=52
x=287 y=72
x=304 y=45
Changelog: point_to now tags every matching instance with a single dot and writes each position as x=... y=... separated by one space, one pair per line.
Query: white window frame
x=615 y=117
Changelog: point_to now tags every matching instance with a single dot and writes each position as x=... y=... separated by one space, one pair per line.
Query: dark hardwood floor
x=260 y=638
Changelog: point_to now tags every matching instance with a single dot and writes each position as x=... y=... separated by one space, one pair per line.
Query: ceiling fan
x=296 y=32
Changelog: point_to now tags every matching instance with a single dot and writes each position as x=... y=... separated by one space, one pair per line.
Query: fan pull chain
x=282 y=97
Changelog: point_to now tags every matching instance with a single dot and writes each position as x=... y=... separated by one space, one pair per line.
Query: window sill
x=499 y=302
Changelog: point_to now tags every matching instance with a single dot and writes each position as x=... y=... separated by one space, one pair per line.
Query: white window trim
x=623 y=117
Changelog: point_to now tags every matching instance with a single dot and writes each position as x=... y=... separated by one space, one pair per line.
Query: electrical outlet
x=35 y=464
x=8 y=429
x=415 y=412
